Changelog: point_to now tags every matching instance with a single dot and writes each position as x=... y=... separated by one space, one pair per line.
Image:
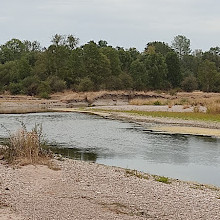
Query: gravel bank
x=82 y=190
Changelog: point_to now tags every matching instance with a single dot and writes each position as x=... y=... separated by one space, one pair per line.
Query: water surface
x=128 y=145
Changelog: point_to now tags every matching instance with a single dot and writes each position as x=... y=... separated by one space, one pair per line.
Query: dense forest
x=28 y=68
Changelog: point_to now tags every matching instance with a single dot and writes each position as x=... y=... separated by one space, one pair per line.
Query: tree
x=32 y=46
x=23 y=68
x=113 y=56
x=68 y=41
x=181 y=45
x=76 y=68
x=207 y=75
x=12 y=50
x=139 y=75
x=159 y=47
x=213 y=55
x=173 y=67
x=57 y=60
x=157 y=71
x=97 y=65
x=134 y=53
x=125 y=59
x=8 y=73
x=103 y=43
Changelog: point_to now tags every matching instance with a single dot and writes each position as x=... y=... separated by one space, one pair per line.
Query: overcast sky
x=127 y=23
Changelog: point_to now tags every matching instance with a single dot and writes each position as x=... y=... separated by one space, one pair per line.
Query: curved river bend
x=128 y=145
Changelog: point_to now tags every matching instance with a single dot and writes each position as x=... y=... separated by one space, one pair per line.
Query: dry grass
x=210 y=100
x=151 y=101
x=26 y=147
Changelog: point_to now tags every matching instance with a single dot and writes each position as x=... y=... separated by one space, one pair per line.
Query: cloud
x=129 y=23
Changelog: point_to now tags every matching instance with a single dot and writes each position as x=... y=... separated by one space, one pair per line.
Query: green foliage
x=43 y=87
x=189 y=84
x=30 y=85
x=85 y=85
x=26 y=68
x=97 y=65
x=44 y=95
x=157 y=103
x=113 y=56
x=159 y=47
x=173 y=67
x=157 y=71
x=56 y=84
x=12 y=50
x=139 y=74
x=207 y=74
x=15 y=88
x=125 y=59
x=181 y=45
x=162 y=179
x=69 y=41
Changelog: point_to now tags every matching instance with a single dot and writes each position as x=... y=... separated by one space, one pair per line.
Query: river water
x=122 y=144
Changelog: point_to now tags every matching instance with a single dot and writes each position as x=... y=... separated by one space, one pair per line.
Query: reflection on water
x=75 y=153
x=128 y=145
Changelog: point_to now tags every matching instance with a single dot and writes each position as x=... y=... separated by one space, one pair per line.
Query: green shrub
x=157 y=103
x=85 y=85
x=15 y=88
x=162 y=179
x=56 y=84
x=189 y=84
x=44 y=87
x=44 y=95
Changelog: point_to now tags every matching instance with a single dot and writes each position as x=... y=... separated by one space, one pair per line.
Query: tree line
x=28 y=68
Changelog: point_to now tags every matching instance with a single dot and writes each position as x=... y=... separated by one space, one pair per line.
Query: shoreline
x=83 y=190
x=159 y=124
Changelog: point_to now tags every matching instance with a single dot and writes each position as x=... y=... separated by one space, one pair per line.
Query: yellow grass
x=25 y=147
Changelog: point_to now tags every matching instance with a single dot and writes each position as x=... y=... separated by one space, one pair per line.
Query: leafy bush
x=44 y=95
x=157 y=103
x=43 y=87
x=15 y=88
x=30 y=85
x=189 y=84
x=85 y=85
x=56 y=84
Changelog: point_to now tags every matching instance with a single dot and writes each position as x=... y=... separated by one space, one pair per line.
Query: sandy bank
x=158 y=124
x=82 y=190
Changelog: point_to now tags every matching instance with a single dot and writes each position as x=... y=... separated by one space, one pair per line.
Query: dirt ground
x=69 y=99
x=82 y=190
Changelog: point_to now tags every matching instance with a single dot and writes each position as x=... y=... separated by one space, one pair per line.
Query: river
x=123 y=144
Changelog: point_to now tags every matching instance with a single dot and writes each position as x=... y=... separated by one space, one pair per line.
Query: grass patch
x=199 y=116
x=182 y=115
x=136 y=173
x=162 y=179
x=26 y=147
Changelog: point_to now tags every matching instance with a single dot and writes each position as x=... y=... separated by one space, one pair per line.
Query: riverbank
x=156 y=124
x=82 y=190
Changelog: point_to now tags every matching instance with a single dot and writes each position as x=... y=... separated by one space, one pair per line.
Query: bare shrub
x=26 y=147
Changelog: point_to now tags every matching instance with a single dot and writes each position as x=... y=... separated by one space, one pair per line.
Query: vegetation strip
x=179 y=115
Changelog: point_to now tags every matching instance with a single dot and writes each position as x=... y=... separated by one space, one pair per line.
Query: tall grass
x=26 y=147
